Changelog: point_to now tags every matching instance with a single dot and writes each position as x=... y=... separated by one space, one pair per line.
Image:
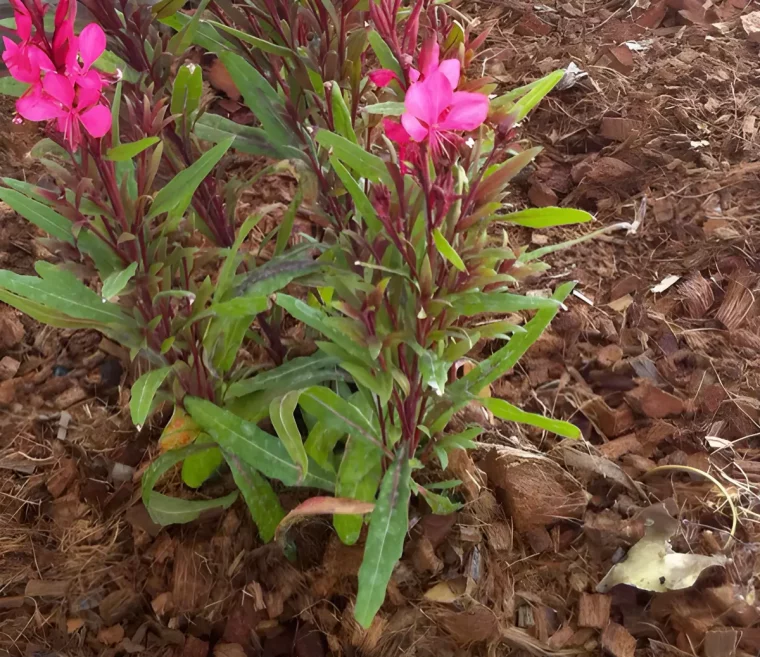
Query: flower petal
x=87 y=97
x=452 y=69
x=382 y=77
x=59 y=87
x=416 y=130
x=414 y=74
x=429 y=55
x=395 y=131
x=92 y=44
x=468 y=111
x=37 y=106
x=427 y=99
x=96 y=120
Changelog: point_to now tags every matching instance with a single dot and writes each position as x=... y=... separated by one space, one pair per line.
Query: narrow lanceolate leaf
x=475 y=303
x=362 y=162
x=262 y=501
x=39 y=214
x=284 y=423
x=493 y=185
x=536 y=94
x=256 y=447
x=321 y=506
x=117 y=281
x=168 y=510
x=503 y=360
x=240 y=307
x=144 y=391
x=547 y=217
x=385 y=541
x=261 y=44
x=506 y=411
x=386 y=109
x=317 y=400
x=126 y=152
x=309 y=369
x=384 y=54
x=165 y=510
x=362 y=203
x=447 y=251
x=46 y=315
x=341 y=114
x=179 y=190
x=197 y=468
x=361 y=469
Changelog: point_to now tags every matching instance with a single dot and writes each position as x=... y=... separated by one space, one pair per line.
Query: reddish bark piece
x=607 y=170
x=721 y=643
x=542 y=196
x=618 y=58
x=611 y=422
x=110 y=636
x=653 y=16
x=617 y=641
x=8 y=367
x=561 y=637
x=618 y=129
x=69 y=397
x=11 y=329
x=535 y=492
x=8 y=392
x=614 y=449
x=594 y=610
x=653 y=402
x=539 y=540
x=609 y=355
x=118 y=605
x=195 y=647
x=623 y=286
x=531 y=25
x=61 y=480
x=220 y=78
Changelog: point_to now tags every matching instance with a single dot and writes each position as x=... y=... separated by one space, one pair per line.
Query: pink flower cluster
x=63 y=84
x=435 y=111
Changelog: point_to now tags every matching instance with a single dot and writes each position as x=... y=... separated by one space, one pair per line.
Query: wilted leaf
x=322 y=506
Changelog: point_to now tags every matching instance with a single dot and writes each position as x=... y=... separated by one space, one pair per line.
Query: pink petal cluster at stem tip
x=434 y=109
x=63 y=85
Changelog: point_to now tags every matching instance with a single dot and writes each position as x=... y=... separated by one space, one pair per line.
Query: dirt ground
x=657 y=360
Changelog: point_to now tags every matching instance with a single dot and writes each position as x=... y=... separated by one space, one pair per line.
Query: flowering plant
x=402 y=164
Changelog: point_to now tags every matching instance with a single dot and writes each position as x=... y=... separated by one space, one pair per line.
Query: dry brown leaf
x=220 y=78
x=111 y=635
x=74 y=624
x=448 y=591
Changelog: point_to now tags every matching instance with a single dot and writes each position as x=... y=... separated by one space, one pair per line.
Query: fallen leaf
x=448 y=591
x=321 y=506
x=665 y=283
x=220 y=78
x=73 y=624
x=651 y=564
x=179 y=432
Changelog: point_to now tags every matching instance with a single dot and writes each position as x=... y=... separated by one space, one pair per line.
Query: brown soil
x=662 y=133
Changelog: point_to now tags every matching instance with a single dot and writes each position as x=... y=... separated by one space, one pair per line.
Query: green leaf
x=462 y=440
x=494 y=182
x=116 y=113
x=474 y=303
x=46 y=315
x=179 y=190
x=260 y=97
x=318 y=320
x=447 y=251
x=359 y=474
x=165 y=510
x=506 y=411
x=61 y=290
x=117 y=281
x=536 y=94
x=285 y=229
x=169 y=510
x=504 y=359
x=284 y=422
x=262 y=501
x=341 y=114
x=206 y=37
x=126 y=152
x=321 y=442
x=187 y=90
x=361 y=161
x=440 y=505
x=109 y=62
x=310 y=369
x=246 y=139
x=240 y=307
x=182 y=40
x=197 y=468
x=11 y=87
x=547 y=217
x=230 y=264
x=256 y=447
x=317 y=399
x=384 y=54
x=144 y=391
x=362 y=203
x=39 y=214
x=261 y=44
x=385 y=541
x=391 y=108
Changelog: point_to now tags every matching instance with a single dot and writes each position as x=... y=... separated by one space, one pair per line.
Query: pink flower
x=24 y=60
x=434 y=110
x=63 y=35
x=83 y=52
x=58 y=98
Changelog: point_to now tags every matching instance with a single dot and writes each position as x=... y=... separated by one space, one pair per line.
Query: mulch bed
x=657 y=359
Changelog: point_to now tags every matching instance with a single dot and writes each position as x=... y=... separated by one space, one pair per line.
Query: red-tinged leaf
x=494 y=183
x=317 y=506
